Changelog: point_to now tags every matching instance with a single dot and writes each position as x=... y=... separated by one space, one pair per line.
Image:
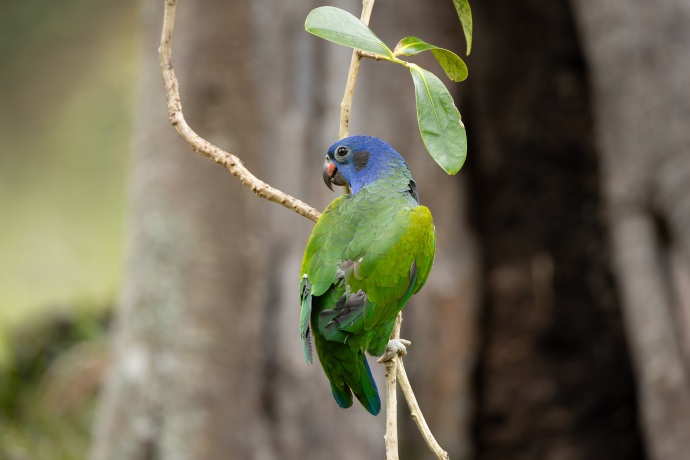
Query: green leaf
x=341 y=27
x=465 y=15
x=439 y=121
x=454 y=67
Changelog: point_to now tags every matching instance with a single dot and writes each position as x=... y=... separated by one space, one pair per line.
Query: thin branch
x=346 y=105
x=417 y=414
x=391 y=436
x=374 y=56
x=394 y=367
x=202 y=146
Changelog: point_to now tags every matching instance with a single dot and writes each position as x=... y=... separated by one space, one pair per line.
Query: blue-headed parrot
x=371 y=249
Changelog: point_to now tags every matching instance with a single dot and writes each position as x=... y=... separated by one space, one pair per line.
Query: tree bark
x=639 y=55
x=554 y=378
x=188 y=322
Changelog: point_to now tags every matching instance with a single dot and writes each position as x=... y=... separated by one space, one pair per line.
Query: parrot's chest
x=375 y=208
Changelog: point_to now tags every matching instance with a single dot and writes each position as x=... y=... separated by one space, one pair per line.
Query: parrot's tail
x=362 y=384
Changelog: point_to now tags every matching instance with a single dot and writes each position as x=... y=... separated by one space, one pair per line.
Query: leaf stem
x=374 y=56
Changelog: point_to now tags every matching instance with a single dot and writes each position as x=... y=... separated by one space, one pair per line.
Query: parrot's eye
x=342 y=152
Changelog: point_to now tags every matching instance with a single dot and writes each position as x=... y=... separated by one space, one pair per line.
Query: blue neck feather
x=383 y=162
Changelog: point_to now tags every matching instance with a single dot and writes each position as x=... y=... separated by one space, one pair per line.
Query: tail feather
x=369 y=396
x=358 y=381
x=342 y=396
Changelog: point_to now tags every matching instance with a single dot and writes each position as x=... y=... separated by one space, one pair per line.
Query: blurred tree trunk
x=639 y=54
x=554 y=380
x=206 y=361
x=190 y=321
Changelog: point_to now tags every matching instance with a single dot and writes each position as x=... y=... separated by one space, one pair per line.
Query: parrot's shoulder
x=328 y=240
x=421 y=222
x=329 y=218
x=422 y=234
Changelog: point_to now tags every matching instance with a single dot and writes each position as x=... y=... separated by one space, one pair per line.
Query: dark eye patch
x=361 y=160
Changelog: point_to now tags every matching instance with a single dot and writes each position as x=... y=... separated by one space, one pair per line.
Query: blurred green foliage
x=66 y=89
x=48 y=385
x=66 y=86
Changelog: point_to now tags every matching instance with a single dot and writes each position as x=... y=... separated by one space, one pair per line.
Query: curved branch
x=201 y=145
x=395 y=368
x=417 y=414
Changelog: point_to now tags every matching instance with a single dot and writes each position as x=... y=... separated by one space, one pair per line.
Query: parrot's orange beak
x=331 y=175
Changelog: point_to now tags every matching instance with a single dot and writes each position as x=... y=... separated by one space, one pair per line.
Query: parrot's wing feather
x=321 y=257
x=413 y=190
x=349 y=316
x=379 y=341
x=317 y=280
x=396 y=264
x=305 y=314
x=382 y=269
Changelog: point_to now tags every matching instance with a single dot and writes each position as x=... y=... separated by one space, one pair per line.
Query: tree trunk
x=554 y=378
x=639 y=56
x=206 y=355
x=190 y=319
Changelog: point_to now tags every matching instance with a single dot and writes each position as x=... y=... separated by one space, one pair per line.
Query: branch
x=391 y=436
x=374 y=56
x=394 y=366
x=417 y=414
x=202 y=146
x=346 y=105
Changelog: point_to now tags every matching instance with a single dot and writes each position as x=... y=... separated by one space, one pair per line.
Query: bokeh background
x=66 y=103
x=148 y=301
x=67 y=82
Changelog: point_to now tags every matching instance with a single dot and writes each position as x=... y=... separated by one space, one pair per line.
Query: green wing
x=365 y=258
x=396 y=262
x=319 y=267
x=386 y=256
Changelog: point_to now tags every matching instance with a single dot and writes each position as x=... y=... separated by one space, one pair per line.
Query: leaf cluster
x=439 y=120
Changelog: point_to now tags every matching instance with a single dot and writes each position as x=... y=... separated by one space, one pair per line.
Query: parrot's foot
x=395 y=347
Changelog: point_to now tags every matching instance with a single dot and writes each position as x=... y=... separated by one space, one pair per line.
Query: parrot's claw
x=395 y=347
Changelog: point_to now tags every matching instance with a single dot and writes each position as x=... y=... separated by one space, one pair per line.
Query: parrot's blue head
x=357 y=161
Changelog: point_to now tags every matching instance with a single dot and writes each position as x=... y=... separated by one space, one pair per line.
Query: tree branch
x=417 y=414
x=346 y=105
x=395 y=368
x=202 y=146
x=391 y=436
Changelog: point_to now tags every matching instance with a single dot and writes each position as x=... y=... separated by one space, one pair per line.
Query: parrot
x=369 y=252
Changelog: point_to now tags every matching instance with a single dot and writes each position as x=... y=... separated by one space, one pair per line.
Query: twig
x=391 y=436
x=202 y=146
x=374 y=56
x=346 y=105
x=394 y=367
x=417 y=414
